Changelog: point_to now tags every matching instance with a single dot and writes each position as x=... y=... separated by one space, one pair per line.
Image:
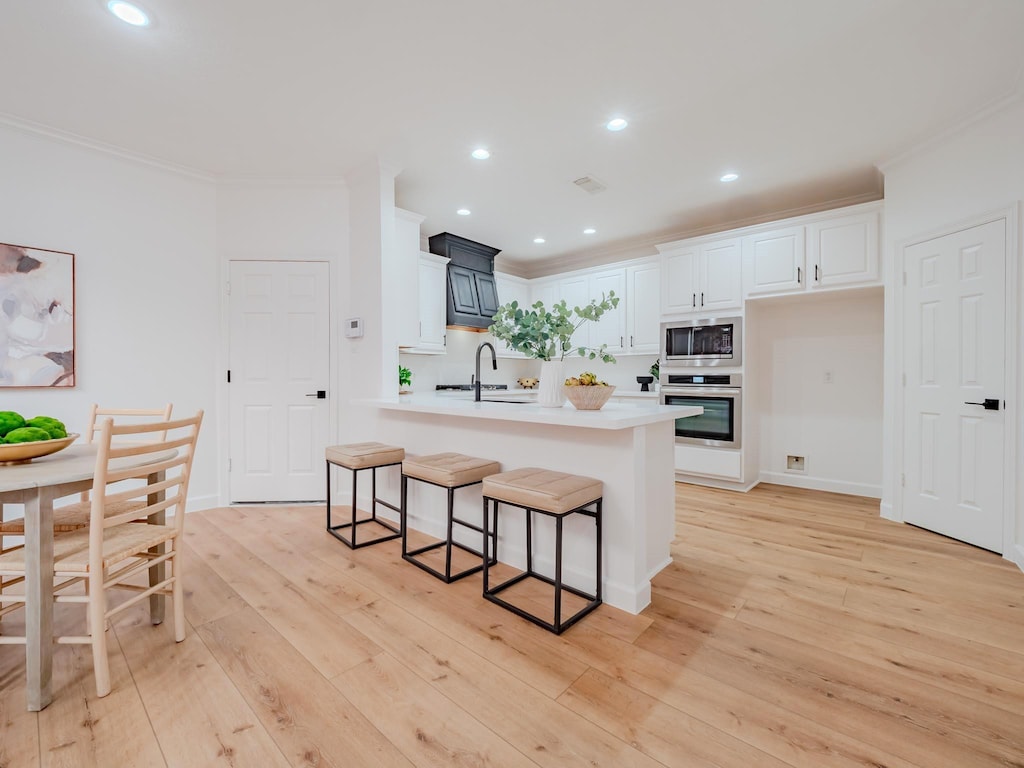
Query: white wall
x=836 y=426
x=975 y=171
x=146 y=312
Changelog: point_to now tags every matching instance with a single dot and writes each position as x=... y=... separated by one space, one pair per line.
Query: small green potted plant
x=546 y=335
x=404 y=380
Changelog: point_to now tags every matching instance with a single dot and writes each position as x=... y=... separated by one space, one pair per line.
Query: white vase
x=549 y=392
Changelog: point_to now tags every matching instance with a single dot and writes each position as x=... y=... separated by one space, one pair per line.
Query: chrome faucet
x=494 y=362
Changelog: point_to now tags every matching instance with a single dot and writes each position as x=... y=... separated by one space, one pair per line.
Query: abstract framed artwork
x=37 y=317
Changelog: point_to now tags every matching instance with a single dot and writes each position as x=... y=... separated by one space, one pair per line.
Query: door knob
x=320 y=394
x=990 y=404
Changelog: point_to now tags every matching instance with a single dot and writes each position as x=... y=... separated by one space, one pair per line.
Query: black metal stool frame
x=334 y=530
x=448 y=542
x=594 y=600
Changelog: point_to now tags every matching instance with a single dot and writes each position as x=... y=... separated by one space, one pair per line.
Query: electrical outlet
x=794 y=463
x=828 y=377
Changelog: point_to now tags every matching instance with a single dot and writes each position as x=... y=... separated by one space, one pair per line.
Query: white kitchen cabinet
x=403 y=295
x=722 y=463
x=843 y=251
x=511 y=288
x=643 y=312
x=773 y=262
x=705 y=277
x=575 y=291
x=611 y=328
x=433 y=286
x=544 y=290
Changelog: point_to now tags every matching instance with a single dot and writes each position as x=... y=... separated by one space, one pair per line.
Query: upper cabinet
x=511 y=288
x=643 y=315
x=704 y=277
x=402 y=296
x=837 y=249
x=844 y=250
x=610 y=330
x=432 y=309
x=773 y=262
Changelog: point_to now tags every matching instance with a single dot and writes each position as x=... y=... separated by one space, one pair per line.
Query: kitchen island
x=627 y=446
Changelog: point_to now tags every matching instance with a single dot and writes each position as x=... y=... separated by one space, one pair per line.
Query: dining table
x=37 y=485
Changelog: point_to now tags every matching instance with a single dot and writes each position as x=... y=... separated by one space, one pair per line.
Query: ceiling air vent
x=589 y=184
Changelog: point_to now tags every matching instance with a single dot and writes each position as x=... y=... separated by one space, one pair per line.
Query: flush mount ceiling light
x=589 y=231
x=463 y=211
x=481 y=154
x=128 y=13
x=729 y=177
x=616 y=124
x=539 y=240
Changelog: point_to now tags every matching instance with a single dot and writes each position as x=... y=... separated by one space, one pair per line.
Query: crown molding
x=646 y=246
x=1009 y=98
x=66 y=137
x=282 y=182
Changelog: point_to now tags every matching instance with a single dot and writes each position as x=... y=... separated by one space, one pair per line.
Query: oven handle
x=702 y=391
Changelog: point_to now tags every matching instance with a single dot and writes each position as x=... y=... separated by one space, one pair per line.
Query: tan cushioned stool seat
x=364 y=455
x=555 y=492
x=450 y=469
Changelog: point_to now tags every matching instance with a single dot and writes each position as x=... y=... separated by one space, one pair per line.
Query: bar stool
x=557 y=495
x=450 y=471
x=357 y=457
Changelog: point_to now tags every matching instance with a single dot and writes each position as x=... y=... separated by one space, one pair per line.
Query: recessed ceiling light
x=589 y=231
x=463 y=211
x=617 y=124
x=729 y=177
x=128 y=13
x=481 y=153
x=538 y=240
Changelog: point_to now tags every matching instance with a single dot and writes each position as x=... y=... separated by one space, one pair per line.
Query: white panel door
x=280 y=359
x=954 y=349
x=575 y=291
x=433 y=312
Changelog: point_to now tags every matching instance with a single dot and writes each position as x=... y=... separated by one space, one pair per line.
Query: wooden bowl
x=20 y=453
x=587 y=398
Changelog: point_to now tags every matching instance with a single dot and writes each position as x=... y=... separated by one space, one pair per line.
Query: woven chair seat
x=69 y=518
x=71 y=550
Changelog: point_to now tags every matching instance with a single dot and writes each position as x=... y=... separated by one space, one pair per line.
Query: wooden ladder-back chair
x=115 y=548
x=71 y=517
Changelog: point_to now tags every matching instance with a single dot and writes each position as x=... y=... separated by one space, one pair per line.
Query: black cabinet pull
x=990 y=404
x=694 y=304
x=816 y=278
x=798 y=275
x=702 y=298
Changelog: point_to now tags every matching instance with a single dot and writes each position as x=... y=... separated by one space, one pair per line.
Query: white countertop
x=612 y=416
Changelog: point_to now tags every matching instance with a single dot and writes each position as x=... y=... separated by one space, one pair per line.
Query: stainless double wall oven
x=721 y=397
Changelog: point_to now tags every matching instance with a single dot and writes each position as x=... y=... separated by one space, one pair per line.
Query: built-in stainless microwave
x=707 y=341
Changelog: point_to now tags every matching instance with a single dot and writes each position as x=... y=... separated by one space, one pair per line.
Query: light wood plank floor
x=793 y=628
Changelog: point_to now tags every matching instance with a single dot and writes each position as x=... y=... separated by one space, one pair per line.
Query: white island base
x=628 y=447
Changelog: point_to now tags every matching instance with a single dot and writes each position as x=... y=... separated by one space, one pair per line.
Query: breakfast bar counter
x=628 y=446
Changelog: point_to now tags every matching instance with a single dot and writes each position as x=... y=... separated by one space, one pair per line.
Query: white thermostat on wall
x=354 y=327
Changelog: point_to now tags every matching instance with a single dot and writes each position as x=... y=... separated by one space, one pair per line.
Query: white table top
x=611 y=416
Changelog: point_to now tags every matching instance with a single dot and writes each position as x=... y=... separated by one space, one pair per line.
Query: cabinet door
x=679 y=286
x=721 y=276
x=545 y=291
x=464 y=294
x=511 y=289
x=643 y=317
x=773 y=262
x=487 y=294
x=611 y=328
x=575 y=291
x=432 y=305
x=843 y=251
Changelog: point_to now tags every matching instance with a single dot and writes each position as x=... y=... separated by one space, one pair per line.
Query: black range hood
x=472 y=295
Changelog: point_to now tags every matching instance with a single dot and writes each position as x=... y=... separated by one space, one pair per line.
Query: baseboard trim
x=822 y=484
x=199 y=503
x=887 y=512
x=1016 y=555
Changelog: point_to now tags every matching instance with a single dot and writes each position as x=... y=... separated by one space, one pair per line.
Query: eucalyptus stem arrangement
x=546 y=334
